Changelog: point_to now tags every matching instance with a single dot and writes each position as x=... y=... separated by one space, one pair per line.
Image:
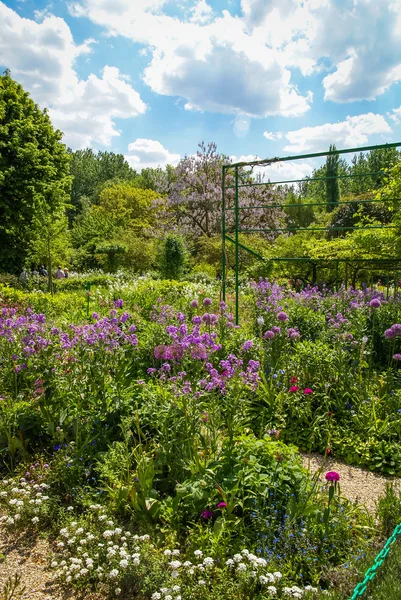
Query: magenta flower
x=294 y=388
x=293 y=380
x=282 y=316
x=308 y=391
x=332 y=476
x=222 y=505
x=397 y=357
x=207 y=514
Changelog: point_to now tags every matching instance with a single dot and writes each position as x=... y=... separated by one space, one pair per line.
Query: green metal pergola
x=238 y=184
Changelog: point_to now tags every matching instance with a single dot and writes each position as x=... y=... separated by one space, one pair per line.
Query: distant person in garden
x=59 y=273
x=24 y=277
x=66 y=274
x=35 y=272
x=43 y=271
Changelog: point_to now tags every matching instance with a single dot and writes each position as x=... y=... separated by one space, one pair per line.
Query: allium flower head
x=332 y=476
x=247 y=345
x=375 y=303
x=194 y=304
x=397 y=357
x=282 y=316
x=207 y=302
x=269 y=335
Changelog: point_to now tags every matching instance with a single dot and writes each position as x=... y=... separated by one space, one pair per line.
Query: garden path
x=28 y=556
x=356 y=484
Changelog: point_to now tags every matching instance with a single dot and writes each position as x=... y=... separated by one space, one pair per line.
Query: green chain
x=379 y=560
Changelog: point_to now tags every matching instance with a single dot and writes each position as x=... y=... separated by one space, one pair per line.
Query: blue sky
x=152 y=78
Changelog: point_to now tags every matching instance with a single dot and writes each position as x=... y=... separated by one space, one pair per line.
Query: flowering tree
x=196 y=191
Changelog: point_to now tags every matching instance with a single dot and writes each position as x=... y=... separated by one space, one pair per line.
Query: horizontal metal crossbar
x=346 y=260
x=294 y=229
x=299 y=205
x=311 y=179
x=267 y=161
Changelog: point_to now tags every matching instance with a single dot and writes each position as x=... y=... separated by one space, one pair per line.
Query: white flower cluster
x=103 y=553
x=297 y=592
x=23 y=501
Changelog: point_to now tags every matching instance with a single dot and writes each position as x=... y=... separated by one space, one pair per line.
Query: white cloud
x=395 y=115
x=217 y=66
x=201 y=12
x=354 y=131
x=279 y=171
x=145 y=153
x=273 y=136
x=41 y=56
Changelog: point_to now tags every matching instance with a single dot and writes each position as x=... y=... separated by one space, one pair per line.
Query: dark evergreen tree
x=332 y=185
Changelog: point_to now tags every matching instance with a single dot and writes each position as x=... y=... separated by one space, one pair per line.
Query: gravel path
x=29 y=557
x=356 y=484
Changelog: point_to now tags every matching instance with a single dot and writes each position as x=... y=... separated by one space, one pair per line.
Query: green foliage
x=332 y=185
x=173 y=257
x=34 y=180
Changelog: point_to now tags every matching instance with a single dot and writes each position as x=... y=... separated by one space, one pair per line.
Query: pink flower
x=308 y=391
x=222 y=505
x=269 y=335
x=207 y=514
x=332 y=476
x=293 y=380
x=294 y=388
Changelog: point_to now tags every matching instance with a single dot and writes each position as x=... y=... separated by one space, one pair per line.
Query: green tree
x=332 y=186
x=173 y=257
x=90 y=173
x=34 y=167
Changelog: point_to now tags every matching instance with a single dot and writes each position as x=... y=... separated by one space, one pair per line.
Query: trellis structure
x=232 y=236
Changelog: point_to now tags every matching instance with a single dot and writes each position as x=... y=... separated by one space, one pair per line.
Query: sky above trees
x=150 y=78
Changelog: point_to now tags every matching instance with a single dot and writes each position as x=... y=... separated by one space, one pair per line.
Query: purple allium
x=397 y=357
x=276 y=329
x=282 y=316
x=119 y=303
x=375 y=303
x=207 y=514
x=113 y=313
x=332 y=476
x=95 y=316
x=293 y=333
x=198 y=352
x=390 y=334
x=197 y=320
x=207 y=302
x=269 y=335
x=194 y=304
x=159 y=352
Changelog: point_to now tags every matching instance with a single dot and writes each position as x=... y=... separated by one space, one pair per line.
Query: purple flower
x=207 y=302
x=247 y=345
x=207 y=514
x=390 y=334
x=276 y=329
x=332 y=476
x=269 y=335
x=282 y=316
x=194 y=304
x=375 y=303
x=397 y=357
x=95 y=316
x=197 y=320
x=119 y=303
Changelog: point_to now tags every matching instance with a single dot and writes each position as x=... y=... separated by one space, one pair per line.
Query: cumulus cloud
x=201 y=12
x=145 y=153
x=395 y=115
x=217 y=66
x=354 y=131
x=41 y=56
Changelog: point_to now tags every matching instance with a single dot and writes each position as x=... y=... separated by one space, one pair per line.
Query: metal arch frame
x=236 y=208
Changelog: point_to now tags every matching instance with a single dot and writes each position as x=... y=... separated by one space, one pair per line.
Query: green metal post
x=346 y=275
x=236 y=250
x=223 y=233
x=395 y=283
x=388 y=286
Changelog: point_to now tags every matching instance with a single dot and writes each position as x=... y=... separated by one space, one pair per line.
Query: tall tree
x=34 y=167
x=332 y=185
